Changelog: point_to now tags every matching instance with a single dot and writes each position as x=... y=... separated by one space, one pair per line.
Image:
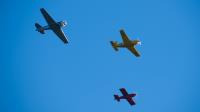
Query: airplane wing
x=134 y=51
x=60 y=34
x=47 y=17
x=124 y=36
x=123 y=91
x=130 y=101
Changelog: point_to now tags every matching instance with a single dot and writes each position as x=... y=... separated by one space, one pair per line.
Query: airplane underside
x=56 y=27
x=116 y=45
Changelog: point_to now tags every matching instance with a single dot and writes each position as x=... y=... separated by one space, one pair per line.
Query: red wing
x=130 y=101
x=124 y=92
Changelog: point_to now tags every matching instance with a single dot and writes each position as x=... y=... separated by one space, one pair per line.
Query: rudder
x=114 y=45
x=39 y=28
x=117 y=98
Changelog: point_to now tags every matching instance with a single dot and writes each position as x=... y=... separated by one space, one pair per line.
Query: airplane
x=126 y=96
x=127 y=43
x=52 y=25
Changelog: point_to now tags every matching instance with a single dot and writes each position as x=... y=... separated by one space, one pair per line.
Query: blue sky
x=41 y=74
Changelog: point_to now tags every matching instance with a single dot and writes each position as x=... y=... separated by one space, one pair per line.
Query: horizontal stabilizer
x=114 y=45
x=39 y=28
x=117 y=98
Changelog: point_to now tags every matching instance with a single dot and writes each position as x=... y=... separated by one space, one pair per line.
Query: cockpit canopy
x=62 y=23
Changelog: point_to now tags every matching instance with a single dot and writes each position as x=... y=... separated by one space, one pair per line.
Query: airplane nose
x=140 y=43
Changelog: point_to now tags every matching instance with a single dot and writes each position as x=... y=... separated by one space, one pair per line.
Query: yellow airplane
x=127 y=43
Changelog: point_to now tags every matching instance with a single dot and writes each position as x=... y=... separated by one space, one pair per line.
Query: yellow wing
x=134 y=51
x=124 y=36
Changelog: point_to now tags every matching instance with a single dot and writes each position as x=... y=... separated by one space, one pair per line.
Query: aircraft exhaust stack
x=117 y=98
x=39 y=28
x=114 y=45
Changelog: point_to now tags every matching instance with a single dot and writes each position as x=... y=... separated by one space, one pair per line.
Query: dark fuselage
x=53 y=26
x=128 y=44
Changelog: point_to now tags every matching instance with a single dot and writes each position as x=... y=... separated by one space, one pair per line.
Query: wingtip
x=111 y=42
x=138 y=56
x=121 y=88
x=42 y=9
x=66 y=42
x=133 y=104
x=121 y=30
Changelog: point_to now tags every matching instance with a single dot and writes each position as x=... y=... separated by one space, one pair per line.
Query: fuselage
x=128 y=44
x=56 y=25
x=126 y=97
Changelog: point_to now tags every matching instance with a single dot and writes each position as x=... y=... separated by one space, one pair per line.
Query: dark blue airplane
x=52 y=25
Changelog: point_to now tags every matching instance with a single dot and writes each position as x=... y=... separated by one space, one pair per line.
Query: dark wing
x=134 y=51
x=47 y=17
x=124 y=92
x=60 y=34
x=130 y=101
x=132 y=95
x=124 y=36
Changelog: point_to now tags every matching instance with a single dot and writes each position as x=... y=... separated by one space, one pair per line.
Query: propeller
x=139 y=42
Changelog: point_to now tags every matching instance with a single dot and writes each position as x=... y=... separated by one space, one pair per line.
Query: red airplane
x=126 y=96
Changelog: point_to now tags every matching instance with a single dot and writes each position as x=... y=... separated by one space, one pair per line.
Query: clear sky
x=40 y=74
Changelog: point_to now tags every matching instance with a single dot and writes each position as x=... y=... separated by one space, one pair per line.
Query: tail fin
x=114 y=45
x=117 y=98
x=39 y=28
